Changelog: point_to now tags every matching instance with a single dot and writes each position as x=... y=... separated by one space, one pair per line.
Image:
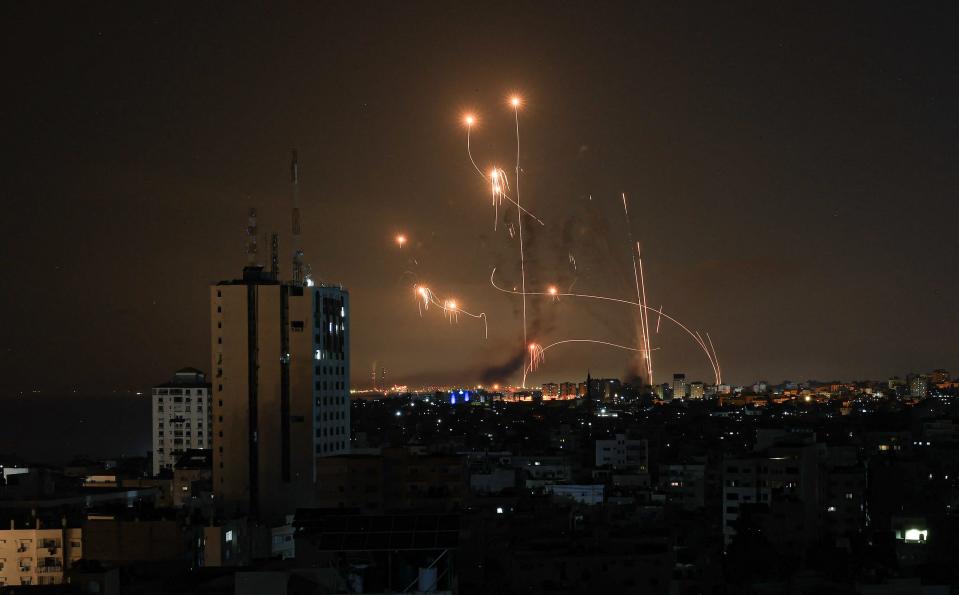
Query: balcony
x=50 y=568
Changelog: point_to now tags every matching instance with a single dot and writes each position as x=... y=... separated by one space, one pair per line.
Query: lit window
x=916 y=535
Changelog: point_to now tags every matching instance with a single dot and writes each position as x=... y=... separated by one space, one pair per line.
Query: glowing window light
x=916 y=535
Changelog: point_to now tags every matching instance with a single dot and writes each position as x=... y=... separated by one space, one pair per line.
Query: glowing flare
x=469 y=119
x=400 y=240
x=516 y=101
x=450 y=308
x=536 y=353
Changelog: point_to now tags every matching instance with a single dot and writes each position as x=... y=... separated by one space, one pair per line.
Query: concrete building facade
x=621 y=452
x=280 y=355
x=182 y=417
x=38 y=555
x=680 y=387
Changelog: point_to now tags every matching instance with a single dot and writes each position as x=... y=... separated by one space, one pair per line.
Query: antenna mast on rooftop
x=275 y=256
x=251 y=239
x=298 y=278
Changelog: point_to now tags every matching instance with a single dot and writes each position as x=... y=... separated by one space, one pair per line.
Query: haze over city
x=790 y=173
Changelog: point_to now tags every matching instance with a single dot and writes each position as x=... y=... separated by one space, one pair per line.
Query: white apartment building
x=182 y=417
x=622 y=452
x=37 y=556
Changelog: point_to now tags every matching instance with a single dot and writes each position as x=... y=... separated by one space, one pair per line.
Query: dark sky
x=791 y=169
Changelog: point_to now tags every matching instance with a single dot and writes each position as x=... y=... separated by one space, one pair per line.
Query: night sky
x=791 y=169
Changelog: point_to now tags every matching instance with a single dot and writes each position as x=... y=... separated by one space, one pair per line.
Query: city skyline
x=792 y=214
x=454 y=299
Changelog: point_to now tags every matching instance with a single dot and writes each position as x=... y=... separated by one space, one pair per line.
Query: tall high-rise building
x=919 y=386
x=281 y=387
x=680 y=388
x=182 y=417
x=281 y=390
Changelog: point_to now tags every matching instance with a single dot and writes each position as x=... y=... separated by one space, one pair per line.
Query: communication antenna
x=275 y=256
x=251 y=239
x=298 y=278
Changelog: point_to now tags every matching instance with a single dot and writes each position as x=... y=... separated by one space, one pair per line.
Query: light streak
x=500 y=188
x=540 y=352
x=451 y=308
x=536 y=352
x=711 y=362
x=663 y=314
x=719 y=368
x=645 y=312
x=469 y=120
x=499 y=184
x=501 y=192
x=640 y=295
x=515 y=101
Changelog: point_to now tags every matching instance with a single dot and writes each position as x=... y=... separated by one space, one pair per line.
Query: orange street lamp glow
x=401 y=240
x=469 y=119
x=515 y=101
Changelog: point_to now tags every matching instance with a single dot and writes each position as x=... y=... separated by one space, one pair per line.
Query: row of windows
x=185 y=424
x=325 y=401
x=179 y=391
x=326 y=353
x=338 y=385
x=199 y=409
x=181 y=400
x=330 y=370
x=199 y=434
x=337 y=431
x=330 y=447
x=331 y=416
